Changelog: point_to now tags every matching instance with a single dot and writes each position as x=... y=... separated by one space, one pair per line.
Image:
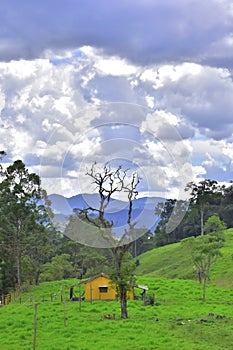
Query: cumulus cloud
x=61 y=114
x=36 y=99
x=203 y=99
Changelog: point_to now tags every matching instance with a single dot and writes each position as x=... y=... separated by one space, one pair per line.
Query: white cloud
x=150 y=101
x=48 y=116
x=209 y=162
x=198 y=173
x=40 y=148
x=114 y=66
x=165 y=74
x=227 y=150
x=20 y=143
x=86 y=147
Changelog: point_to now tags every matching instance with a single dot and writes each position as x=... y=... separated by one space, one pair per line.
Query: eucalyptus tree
x=226 y=207
x=23 y=214
x=201 y=195
x=164 y=211
x=168 y=231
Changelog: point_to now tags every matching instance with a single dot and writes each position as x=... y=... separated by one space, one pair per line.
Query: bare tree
x=109 y=181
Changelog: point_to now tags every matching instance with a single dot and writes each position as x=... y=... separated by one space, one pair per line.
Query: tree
x=143 y=242
x=2 y=154
x=225 y=208
x=201 y=194
x=23 y=212
x=169 y=229
x=204 y=251
x=39 y=249
x=109 y=181
x=86 y=261
x=214 y=225
x=59 y=268
x=164 y=211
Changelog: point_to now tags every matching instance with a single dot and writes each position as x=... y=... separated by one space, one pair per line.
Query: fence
x=5 y=299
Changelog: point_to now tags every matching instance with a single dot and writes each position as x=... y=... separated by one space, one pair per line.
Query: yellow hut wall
x=130 y=294
x=92 y=291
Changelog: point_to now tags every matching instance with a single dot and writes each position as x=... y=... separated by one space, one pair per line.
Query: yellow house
x=100 y=287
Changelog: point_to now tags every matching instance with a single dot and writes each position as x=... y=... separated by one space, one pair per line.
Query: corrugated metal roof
x=102 y=274
x=139 y=286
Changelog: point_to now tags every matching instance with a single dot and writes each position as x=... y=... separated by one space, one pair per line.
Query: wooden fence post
x=34 y=335
x=64 y=302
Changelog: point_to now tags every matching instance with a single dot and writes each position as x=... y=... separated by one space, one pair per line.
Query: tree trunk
x=18 y=266
x=36 y=277
x=204 y=289
x=123 y=300
x=202 y=218
x=200 y=276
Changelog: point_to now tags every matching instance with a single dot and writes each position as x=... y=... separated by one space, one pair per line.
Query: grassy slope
x=172 y=261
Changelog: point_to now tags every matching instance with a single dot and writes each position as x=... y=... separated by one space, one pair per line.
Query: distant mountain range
x=117 y=210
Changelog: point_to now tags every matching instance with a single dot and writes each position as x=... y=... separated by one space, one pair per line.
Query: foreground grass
x=179 y=320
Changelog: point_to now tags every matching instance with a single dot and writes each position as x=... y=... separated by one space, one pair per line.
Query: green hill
x=173 y=261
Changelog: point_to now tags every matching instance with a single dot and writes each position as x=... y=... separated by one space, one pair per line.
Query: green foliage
x=143 y=243
x=202 y=194
x=205 y=250
x=214 y=225
x=23 y=214
x=150 y=300
x=59 y=268
x=207 y=199
x=125 y=275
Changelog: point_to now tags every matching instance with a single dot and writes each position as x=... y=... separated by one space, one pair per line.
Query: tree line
x=207 y=198
x=33 y=250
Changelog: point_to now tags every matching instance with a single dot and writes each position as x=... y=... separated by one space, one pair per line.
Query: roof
x=102 y=274
x=139 y=286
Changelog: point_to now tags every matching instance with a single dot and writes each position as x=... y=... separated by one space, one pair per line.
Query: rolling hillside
x=172 y=261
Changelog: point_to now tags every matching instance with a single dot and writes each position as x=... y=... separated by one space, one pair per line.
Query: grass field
x=178 y=320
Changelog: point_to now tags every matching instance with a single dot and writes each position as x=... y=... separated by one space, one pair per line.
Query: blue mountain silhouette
x=117 y=210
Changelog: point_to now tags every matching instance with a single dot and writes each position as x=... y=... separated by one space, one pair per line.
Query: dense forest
x=32 y=250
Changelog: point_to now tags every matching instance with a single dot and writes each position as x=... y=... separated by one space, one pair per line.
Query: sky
x=145 y=84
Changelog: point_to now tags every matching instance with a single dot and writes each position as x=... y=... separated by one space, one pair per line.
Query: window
x=103 y=289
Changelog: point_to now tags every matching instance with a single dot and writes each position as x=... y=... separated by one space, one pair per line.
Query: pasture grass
x=174 y=261
x=178 y=320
